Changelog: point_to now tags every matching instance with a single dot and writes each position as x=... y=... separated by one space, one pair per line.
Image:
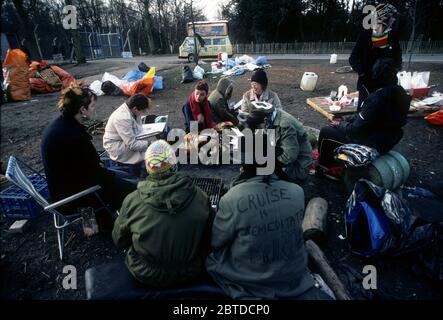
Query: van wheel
x=191 y=57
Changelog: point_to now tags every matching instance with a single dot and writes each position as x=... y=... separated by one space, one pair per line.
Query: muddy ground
x=30 y=267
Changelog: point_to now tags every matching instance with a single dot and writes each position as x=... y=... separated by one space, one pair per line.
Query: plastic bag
x=261 y=60
x=133 y=75
x=246 y=59
x=413 y=81
x=110 y=77
x=158 y=83
x=231 y=63
x=96 y=87
x=435 y=118
x=198 y=73
x=420 y=79
x=16 y=75
x=143 y=86
x=150 y=73
x=379 y=222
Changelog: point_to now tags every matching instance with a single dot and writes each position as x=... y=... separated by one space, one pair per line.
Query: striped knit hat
x=160 y=158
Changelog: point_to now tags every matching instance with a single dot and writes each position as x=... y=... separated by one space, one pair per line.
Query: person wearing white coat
x=123 y=126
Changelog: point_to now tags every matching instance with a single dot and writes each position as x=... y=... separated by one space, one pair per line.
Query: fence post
x=129 y=40
x=37 y=42
x=109 y=43
x=90 y=46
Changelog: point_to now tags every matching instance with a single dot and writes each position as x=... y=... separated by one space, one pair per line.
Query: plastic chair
x=15 y=174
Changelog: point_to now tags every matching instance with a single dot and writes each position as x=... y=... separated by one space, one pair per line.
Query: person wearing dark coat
x=379 y=122
x=218 y=101
x=71 y=162
x=371 y=45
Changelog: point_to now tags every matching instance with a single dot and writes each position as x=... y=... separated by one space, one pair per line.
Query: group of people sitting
x=252 y=247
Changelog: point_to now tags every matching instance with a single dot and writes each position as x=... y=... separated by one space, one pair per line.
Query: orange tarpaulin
x=65 y=77
x=16 y=75
x=39 y=85
x=435 y=118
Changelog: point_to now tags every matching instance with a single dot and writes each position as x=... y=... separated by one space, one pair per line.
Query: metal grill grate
x=213 y=188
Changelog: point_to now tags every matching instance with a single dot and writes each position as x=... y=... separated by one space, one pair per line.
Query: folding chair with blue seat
x=15 y=174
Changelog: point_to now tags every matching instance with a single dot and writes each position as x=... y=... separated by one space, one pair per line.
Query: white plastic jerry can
x=333 y=58
x=308 y=81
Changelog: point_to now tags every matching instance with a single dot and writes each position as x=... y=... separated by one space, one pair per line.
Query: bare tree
x=75 y=35
x=23 y=14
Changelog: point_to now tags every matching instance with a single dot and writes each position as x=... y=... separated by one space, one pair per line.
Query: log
x=314 y=222
x=328 y=274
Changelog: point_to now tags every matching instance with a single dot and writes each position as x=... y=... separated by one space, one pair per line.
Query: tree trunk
x=26 y=28
x=148 y=25
x=75 y=35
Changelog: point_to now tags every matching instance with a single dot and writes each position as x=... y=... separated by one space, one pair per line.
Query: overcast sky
x=210 y=8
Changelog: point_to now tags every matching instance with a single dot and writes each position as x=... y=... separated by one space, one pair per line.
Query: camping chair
x=15 y=174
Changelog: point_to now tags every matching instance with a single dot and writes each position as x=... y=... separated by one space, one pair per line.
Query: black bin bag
x=187 y=75
x=111 y=89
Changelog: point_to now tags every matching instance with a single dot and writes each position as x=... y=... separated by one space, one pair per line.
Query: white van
x=212 y=46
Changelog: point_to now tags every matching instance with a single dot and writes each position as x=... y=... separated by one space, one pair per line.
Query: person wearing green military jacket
x=219 y=102
x=165 y=224
x=293 y=149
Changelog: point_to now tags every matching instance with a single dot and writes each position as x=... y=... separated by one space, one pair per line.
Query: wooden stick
x=326 y=272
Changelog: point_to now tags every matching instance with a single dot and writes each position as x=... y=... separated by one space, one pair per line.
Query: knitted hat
x=159 y=157
x=258 y=112
x=385 y=11
x=260 y=77
x=258 y=108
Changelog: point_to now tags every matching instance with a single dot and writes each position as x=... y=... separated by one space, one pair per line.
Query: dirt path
x=30 y=268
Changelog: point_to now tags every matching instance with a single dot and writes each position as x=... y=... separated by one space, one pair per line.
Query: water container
x=224 y=56
x=333 y=58
x=389 y=171
x=309 y=81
